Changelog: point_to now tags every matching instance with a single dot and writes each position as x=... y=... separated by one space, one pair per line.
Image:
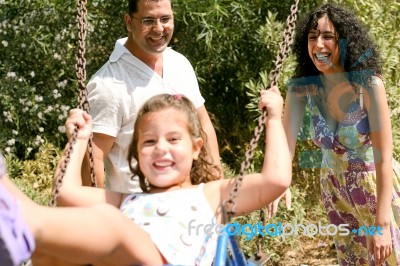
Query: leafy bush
x=34 y=177
x=37 y=67
x=36 y=73
x=226 y=43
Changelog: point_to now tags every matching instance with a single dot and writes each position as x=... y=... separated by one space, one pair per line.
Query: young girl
x=180 y=190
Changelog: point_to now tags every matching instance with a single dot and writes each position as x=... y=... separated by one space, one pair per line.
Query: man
x=140 y=67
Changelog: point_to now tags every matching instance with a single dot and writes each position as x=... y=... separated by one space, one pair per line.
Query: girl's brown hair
x=202 y=169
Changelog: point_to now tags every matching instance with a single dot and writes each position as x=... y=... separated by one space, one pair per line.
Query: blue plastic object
x=222 y=258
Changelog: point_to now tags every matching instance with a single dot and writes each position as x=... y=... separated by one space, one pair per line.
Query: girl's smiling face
x=323 y=47
x=166 y=149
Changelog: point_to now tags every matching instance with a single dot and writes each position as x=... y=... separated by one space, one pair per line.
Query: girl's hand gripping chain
x=82 y=120
x=272 y=101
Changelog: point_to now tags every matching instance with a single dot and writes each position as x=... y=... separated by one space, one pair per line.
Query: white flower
x=11 y=75
x=10 y=142
x=40 y=115
x=57 y=56
x=61 y=129
x=14 y=132
x=5 y=43
x=39 y=140
x=29 y=149
x=8 y=149
x=8 y=116
x=41 y=129
x=48 y=109
x=61 y=84
x=23 y=45
x=32 y=74
x=56 y=94
x=38 y=98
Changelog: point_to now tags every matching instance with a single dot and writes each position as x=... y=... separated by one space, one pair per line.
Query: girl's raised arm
x=71 y=192
x=260 y=189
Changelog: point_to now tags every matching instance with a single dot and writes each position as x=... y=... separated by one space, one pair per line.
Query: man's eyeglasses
x=152 y=22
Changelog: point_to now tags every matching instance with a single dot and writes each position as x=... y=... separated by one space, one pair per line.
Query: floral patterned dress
x=348 y=182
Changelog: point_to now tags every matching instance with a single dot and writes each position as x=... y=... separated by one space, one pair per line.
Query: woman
x=339 y=78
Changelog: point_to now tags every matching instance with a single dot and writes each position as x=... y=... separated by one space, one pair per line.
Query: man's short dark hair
x=133 y=8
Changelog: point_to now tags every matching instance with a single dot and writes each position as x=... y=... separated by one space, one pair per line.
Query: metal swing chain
x=284 y=49
x=80 y=69
x=273 y=77
x=80 y=66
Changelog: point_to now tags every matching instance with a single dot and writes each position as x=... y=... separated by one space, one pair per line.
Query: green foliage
x=37 y=60
x=306 y=208
x=299 y=213
x=224 y=40
x=106 y=20
x=35 y=177
x=36 y=73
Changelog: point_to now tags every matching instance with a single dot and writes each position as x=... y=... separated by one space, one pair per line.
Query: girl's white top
x=181 y=223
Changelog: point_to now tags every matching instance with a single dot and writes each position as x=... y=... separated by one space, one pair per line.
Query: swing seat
x=238 y=258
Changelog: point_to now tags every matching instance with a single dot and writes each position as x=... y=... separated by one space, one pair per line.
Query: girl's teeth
x=163 y=164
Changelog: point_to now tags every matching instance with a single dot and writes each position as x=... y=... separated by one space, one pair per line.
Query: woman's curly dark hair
x=202 y=169
x=359 y=54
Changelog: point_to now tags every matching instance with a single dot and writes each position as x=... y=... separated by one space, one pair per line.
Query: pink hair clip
x=178 y=96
